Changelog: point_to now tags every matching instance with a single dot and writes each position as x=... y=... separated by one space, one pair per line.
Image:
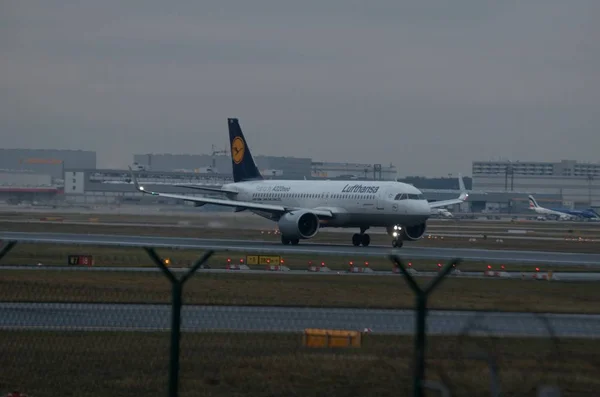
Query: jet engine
x=298 y=225
x=413 y=233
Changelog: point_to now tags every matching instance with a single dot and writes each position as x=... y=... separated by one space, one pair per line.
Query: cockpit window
x=406 y=196
x=416 y=197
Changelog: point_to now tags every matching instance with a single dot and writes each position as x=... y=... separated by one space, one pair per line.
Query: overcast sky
x=427 y=85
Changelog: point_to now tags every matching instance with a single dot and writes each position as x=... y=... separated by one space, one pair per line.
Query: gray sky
x=427 y=85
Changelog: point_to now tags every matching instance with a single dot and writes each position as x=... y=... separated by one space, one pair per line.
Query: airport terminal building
x=576 y=184
x=274 y=167
x=37 y=175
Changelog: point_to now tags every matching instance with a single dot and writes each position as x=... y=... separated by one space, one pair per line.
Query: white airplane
x=562 y=213
x=534 y=206
x=302 y=207
x=444 y=213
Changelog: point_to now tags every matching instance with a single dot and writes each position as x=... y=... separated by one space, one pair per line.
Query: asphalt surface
x=557 y=276
x=235 y=318
x=498 y=256
x=459 y=229
x=479 y=234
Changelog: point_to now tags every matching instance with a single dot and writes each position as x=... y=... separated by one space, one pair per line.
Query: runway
x=453 y=230
x=493 y=256
x=556 y=276
x=432 y=233
x=129 y=317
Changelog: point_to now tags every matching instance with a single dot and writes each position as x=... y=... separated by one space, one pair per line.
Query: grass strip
x=28 y=254
x=305 y=291
x=120 y=364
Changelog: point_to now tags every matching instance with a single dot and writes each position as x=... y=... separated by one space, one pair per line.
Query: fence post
x=176 y=292
x=6 y=249
x=421 y=296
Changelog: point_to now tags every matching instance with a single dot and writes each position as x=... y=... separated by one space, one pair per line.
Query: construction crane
x=214 y=153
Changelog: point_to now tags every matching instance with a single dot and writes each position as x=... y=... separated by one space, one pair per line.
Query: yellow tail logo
x=237 y=150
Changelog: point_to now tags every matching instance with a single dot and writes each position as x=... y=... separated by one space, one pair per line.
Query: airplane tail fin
x=532 y=202
x=244 y=167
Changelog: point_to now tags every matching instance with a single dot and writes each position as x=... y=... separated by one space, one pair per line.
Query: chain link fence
x=113 y=336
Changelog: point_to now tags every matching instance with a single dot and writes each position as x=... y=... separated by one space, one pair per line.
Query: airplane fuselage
x=576 y=213
x=355 y=204
x=564 y=213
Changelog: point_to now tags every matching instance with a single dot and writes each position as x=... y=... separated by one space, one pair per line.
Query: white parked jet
x=302 y=207
x=444 y=213
x=563 y=213
x=533 y=205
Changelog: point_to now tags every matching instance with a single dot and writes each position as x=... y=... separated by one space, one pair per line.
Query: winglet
x=135 y=181
x=463 y=190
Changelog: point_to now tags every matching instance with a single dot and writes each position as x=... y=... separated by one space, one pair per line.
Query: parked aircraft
x=562 y=213
x=442 y=212
x=302 y=207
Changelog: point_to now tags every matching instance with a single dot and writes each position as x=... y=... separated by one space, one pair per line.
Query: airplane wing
x=239 y=205
x=461 y=199
x=209 y=189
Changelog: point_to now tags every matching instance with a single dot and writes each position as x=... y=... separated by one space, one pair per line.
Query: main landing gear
x=286 y=241
x=361 y=238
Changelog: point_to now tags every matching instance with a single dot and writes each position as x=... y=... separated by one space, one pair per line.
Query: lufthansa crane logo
x=237 y=150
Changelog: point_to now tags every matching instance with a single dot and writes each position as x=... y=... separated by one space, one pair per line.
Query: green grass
x=27 y=254
x=115 y=364
x=287 y=290
x=325 y=238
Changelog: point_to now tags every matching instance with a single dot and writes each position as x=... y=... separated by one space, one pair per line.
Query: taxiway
x=495 y=256
x=72 y=316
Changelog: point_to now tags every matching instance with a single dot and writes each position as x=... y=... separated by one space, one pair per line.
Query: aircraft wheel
x=356 y=239
x=366 y=240
x=295 y=241
x=285 y=241
x=396 y=243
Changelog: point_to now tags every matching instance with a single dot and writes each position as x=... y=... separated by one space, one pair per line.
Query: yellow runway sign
x=262 y=260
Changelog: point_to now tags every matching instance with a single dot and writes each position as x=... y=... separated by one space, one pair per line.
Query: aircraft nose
x=424 y=208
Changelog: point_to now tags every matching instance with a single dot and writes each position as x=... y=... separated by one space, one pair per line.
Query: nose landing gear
x=397 y=237
x=286 y=241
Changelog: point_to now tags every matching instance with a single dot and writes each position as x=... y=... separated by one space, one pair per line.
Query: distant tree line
x=436 y=183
